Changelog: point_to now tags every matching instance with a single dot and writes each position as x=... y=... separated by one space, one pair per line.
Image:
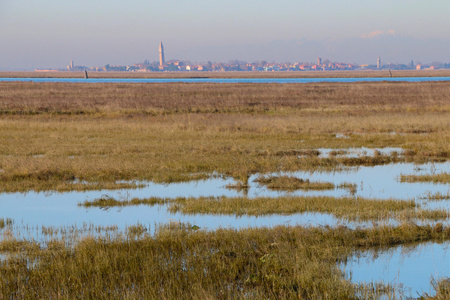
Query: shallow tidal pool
x=411 y=268
x=62 y=209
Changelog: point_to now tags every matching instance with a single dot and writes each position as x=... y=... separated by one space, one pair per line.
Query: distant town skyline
x=238 y=65
x=48 y=33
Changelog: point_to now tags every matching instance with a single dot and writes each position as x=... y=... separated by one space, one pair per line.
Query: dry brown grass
x=167 y=132
x=181 y=262
x=289 y=183
x=25 y=98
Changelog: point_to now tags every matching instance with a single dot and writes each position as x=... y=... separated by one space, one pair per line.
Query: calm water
x=411 y=266
x=61 y=209
x=227 y=80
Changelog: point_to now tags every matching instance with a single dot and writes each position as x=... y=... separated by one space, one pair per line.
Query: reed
x=184 y=263
x=5 y=222
x=345 y=208
x=292 y=183
x=52 y=133
x=60 y=136
x=436 y=178
x=138 y=99
x=107 y=202
x=352 y=187
x=436 y=196
x=43 y=154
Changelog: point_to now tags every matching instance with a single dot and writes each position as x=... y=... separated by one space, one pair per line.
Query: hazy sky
x=50 y=33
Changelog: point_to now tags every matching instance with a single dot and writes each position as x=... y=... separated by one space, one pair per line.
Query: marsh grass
x=59 y=136
x=345 y=208
x=442 y=288
x=5 y=222
x=60 y=185
x=435 y=178
x=183 y=263
x=436 y=196
x=289 y=183
x=112 y=99
x=338 y=152
x=103 y=133
x=351 y=187
x=108 y=202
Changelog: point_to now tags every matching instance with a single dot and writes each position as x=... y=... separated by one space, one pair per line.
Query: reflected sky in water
x=413 y=267
x=56 y=209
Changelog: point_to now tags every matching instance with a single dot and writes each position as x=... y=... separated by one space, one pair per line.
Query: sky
x=51 y=33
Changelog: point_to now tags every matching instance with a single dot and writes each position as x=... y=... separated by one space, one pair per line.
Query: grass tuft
x=292 y=183
x=436 y=178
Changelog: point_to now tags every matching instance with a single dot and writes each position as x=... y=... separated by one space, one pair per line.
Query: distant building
x=319 y=61
x=379 y=63
x=70 y=67
x=161 y=54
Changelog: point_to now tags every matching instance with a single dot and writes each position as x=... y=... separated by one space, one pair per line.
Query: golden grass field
x=53 y=133
x=78 y=136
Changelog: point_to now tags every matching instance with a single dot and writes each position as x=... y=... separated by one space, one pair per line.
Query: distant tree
x=436 y=64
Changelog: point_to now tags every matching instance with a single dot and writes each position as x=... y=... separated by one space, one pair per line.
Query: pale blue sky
x=49 y=33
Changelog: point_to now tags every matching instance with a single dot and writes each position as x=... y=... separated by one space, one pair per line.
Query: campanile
x=161 y=54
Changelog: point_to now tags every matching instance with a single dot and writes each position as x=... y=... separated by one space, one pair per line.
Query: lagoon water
x=61 y=209
x=412 y=267
x=226 y=80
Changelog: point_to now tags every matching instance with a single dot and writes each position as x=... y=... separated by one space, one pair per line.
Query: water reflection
x=412 y=267
x=61 y=209
x=358 y=152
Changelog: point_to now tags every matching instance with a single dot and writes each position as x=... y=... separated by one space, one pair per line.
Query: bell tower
x=161 y=54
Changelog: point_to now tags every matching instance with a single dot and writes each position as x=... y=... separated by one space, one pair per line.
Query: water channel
x=227 y=80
